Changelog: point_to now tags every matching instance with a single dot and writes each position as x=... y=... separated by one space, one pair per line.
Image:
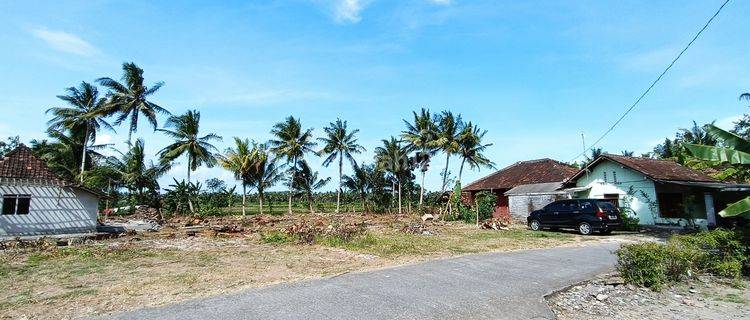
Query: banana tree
x=734 y=150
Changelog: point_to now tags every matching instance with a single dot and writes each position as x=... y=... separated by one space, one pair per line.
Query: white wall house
x=36 y=202
x=658 y=192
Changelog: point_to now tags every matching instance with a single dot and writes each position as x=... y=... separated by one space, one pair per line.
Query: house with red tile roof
x=657 y=192
x=524 y=173
x=37 y=202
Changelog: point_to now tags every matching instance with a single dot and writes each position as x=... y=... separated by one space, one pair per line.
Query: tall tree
x=130 y=99
x=421 y=136
x=63 y=153
x=448 y=133
x=393 y=158
x=85 y=114
x=340 y=143
x=185 y=132
x=358 y=183
x=239 y=161
x=291 y=142
x=132 y=171
x=307 y=182
x=472 y=149
x=265 y=172
x=742 y=126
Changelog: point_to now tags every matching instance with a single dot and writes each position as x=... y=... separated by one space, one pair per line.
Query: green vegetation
x=719 y=252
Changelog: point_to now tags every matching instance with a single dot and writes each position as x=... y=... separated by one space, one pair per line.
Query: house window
x=671 y=205
x=16 y=204
x=605 y=176
x=614 y=176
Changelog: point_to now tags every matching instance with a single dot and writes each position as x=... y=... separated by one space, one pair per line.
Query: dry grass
x=155 y=269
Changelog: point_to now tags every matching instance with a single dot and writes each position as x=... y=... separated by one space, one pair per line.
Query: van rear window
x=605 y=205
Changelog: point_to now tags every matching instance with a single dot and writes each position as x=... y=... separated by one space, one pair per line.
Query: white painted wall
x=53 y=210
x=643 y=202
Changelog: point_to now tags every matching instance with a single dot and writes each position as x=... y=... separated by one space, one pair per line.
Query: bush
x=630 y=221
x=643 y=264
x=718 y=252
x=275 y=237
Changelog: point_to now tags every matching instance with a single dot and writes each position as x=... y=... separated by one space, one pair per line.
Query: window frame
x=21 y=204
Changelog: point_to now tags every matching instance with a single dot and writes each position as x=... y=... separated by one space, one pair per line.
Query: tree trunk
x=399 y=197
x=190 y=200
x=445 y=172
x=244 y=196
x=461 y=171
x=260 y=200
x=421 y=189
x=291 y=183
x=83 y=155
x=310 y=202
x=338 y=191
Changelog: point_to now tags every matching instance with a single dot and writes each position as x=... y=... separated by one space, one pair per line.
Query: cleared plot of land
x=167 y=266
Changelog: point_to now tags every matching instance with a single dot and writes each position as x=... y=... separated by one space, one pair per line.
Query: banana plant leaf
x=738 y=209
x=720 y=154
x=730 y=140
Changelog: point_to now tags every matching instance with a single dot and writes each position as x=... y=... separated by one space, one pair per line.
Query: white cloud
x=348 y=11
x=65 y=42
x=728 y=122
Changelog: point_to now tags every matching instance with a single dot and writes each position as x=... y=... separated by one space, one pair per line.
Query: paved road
x=483 y=286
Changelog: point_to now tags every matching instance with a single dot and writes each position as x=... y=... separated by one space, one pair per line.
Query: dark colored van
x=584 y=215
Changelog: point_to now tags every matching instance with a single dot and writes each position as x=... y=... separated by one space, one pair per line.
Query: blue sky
x=535 y=74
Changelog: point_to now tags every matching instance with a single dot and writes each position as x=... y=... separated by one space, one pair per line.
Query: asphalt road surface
x=482 y=286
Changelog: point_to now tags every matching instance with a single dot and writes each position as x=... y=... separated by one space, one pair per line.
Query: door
x=547 y=215
x=554 y=212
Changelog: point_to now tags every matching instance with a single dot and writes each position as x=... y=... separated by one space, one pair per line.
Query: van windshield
x=605 y=205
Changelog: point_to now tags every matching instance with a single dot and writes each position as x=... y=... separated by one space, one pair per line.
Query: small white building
x=37 y=202
x=657 y=192
x=525 y=198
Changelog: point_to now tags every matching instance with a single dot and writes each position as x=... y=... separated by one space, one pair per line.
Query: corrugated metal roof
x=537 y=188
x=524 y=172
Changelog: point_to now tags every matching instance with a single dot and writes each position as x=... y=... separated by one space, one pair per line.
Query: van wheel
x=584 y=228
x=535 y=225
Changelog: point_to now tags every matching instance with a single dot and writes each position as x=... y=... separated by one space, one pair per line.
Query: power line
x=591 y=147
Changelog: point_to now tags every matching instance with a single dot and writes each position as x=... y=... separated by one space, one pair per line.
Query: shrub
x=630 y=221
x=643 y=264
x=718 y=252
x=275 y=237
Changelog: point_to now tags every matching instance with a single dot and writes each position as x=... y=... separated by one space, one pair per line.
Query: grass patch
x=734 y=298
x=275 y=237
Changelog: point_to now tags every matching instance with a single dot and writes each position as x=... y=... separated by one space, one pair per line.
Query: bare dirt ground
x=607 y=298
x=194 y=257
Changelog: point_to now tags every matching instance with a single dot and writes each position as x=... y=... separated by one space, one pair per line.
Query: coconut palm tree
x=339 y=143
x=358 y=183
x=85 y=114
x=130 y=99
x=199 y=150
x=472 y=149
x=449 y=127
x=421 y=136
x=264 y=173
x=392 y=157
x=63 y=154
x=307 y=182
x=291 y=142
x=133 y=172
x=240 y=162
